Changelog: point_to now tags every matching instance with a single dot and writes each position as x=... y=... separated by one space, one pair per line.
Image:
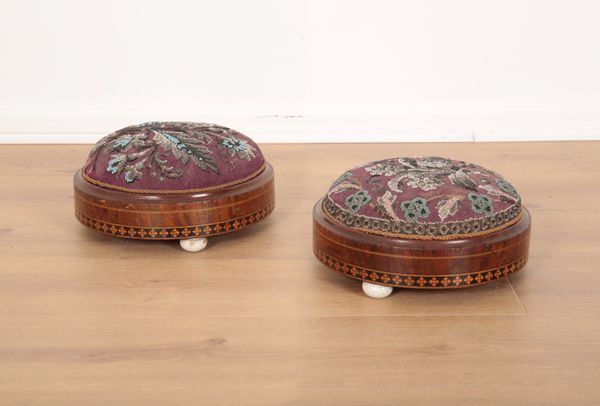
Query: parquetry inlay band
x=174 y=233
x=420 y=281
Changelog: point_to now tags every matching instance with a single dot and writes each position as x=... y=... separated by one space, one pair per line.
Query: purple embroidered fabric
x=424 y=196
x=173 y=156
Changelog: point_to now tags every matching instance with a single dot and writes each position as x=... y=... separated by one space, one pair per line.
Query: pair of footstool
x=424 y=223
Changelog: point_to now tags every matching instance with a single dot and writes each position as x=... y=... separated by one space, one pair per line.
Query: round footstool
x=174 y=181
x=421 y=223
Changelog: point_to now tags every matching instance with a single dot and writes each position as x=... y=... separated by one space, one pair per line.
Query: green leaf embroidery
x=357 y=200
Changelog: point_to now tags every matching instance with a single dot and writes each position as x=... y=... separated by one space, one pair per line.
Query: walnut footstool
x=421 y=223
x=174 y=181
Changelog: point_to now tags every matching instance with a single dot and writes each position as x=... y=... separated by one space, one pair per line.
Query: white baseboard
x=76 y=126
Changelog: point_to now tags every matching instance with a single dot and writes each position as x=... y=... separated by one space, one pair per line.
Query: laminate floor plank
x=257 y=320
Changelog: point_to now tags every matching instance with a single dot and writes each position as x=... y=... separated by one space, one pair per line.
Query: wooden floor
x=255 y=319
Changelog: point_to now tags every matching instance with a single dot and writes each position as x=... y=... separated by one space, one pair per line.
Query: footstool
x=421 y=223
x=174 y=181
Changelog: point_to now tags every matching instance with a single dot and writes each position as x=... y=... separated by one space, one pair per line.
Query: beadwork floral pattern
x=401 y=195
x=238 y=147
x=415 y=209
x=481 y=203
x=167 y=155
x=357 y=200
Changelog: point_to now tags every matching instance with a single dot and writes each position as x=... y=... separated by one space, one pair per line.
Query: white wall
x=320 y=70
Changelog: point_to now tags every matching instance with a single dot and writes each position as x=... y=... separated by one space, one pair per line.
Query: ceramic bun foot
x=376 y=291
x=193 y=244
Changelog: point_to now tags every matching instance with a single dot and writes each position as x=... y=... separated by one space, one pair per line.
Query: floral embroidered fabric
x=427 y=197
x=173 y=156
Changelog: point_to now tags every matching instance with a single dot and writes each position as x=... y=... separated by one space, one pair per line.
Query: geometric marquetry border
x=174 y=233
x=420 y=281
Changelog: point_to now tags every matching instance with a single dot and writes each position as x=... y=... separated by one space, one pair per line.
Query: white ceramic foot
x=194 y=244
x=376 y=291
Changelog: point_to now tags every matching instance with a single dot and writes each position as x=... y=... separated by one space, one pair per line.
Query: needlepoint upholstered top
x=174 y=180
x=167 y=157
x=387 y=221
x=431 y=197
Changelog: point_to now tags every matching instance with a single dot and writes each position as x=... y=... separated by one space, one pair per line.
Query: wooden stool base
x=420 y=264
x=174 y=216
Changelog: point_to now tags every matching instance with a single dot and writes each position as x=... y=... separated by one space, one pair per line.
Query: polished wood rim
x=174 y=216
x=420 y=264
